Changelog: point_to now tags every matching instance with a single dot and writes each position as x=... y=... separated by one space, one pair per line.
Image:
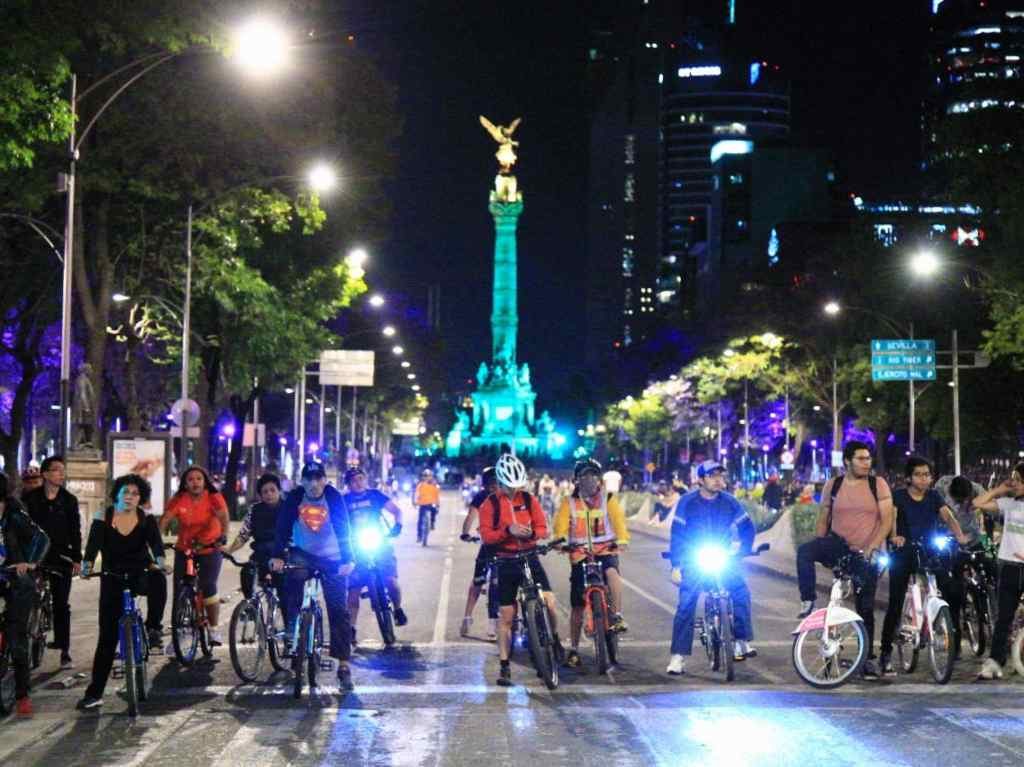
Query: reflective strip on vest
x=578 y=521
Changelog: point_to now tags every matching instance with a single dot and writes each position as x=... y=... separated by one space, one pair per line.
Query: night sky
x=858 y=73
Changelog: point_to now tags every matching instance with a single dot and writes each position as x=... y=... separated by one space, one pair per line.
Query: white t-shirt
x=1013 y=529
x=612 y=481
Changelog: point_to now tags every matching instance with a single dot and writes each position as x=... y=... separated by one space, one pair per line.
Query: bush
x=805 y=517
x=632 y=501
x=762 y=517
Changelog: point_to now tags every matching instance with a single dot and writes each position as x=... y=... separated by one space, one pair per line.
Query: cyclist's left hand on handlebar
x=346 y=569
x=898 y=541
x=396 y=530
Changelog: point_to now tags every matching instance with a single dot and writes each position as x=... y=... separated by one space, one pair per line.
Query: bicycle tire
x=7 y=683
x=143 y=669
x=940 y=646
x=273 y=620
x=37 y=643
x=204 y=629
x=613 y=647
x=313 y=661
x=382 y=609
x=727 y=637
x=301 y=652
x=247 y=641
x=131 y=679
x=714 y=640
x=973 y=624
x=184 y=631
x=540 y=650
x=906 y=647
x=600 y=632
x=835 y=662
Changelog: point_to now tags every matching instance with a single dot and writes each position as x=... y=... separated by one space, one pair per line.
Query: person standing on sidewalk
x=55 y=511
x=856 y=515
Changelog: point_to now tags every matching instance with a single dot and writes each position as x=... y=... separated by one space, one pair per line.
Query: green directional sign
x=911 y=359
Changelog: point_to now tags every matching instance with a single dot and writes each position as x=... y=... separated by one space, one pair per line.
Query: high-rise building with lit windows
x=976 y=99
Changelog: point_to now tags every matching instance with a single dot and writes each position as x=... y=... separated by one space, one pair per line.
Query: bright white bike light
x=940 y=542
x=712 y=559
x=883 y=561
x=370 y=539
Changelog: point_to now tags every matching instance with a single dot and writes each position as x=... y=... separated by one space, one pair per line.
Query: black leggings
x=900 y=571
x=1011 y=587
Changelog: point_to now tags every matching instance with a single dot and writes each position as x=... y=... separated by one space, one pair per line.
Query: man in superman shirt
x=313 y=530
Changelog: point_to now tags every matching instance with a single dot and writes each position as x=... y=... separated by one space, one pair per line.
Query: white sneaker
x=990 y=670
x=467 y=623
x=216 y=638
x=492 y=629
x=675 y=665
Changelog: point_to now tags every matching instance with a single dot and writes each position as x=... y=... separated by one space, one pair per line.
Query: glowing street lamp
x=356 y=262
x=322 y=178
x=406 y=363
x=411 y=376
x=120 y=298
x=415 y=387
x=377 y=301
x=398 y=351
x=389 y=330
x=832 y=308
x=925 y=264
x=261 y=46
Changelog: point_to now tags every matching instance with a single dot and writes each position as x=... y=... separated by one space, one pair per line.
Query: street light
x=925 y=263
x=411 y=376
x=322 y=177
x=832 y=308
x=398 y=351
x=415 y=387
x=120 y=298
x=377 y=301
x=406 y=363
x=260 y=46
x=389 y=330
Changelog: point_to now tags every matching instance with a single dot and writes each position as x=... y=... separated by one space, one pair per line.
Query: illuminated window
x=630 y=149
x=630 y=191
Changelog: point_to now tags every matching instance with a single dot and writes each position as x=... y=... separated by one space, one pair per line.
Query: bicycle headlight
x=940 y=542
x=712 y=559
x=369 y=539
x=883 y=561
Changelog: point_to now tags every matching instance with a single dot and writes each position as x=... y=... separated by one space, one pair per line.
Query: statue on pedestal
x=505 y=185
x=481 y=375
x=83 y=409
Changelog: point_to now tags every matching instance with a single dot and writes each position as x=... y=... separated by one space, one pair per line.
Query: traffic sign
x=346 y=368
x=903 y=374
x=903 y=345
x=908 y=359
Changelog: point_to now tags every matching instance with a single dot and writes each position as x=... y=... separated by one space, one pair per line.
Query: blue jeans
x=689 y=593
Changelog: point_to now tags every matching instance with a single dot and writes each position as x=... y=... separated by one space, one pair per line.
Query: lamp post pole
x=64 y=440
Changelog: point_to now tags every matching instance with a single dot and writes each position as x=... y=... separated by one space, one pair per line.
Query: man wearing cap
x=313 y=532
x=709 y=514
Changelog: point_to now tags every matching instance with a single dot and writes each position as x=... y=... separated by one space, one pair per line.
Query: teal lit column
x=505 y=314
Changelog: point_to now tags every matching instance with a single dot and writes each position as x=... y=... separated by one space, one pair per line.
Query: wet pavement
x=432 y=699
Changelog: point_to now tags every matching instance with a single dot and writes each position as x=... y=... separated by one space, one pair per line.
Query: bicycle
x=1017 y=640
x=716 y=630
x=7 y=683
x=308 y=634
x=190 y=626
x=534 y=612
x=596 y=610
x=251 y=636
x=423 y=523
x=831 y=644
x=977 y=619
x=40 y=619
x=133 y=644
x=369 y=540
x=927 y=620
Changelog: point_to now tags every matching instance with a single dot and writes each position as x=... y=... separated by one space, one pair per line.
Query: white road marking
x=441 y=622
x=649 y=597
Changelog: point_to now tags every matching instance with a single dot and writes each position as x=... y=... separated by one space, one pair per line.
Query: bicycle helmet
x=510 y=472
x=352 y=472
x=488 y=476
x=586 y=466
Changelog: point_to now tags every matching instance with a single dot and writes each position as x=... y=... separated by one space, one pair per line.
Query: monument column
x=504 y=312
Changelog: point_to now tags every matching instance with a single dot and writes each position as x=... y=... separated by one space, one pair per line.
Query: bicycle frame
x=834 y=614
x=311 y=591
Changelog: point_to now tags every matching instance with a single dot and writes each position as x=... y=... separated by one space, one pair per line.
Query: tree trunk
x=240 y=408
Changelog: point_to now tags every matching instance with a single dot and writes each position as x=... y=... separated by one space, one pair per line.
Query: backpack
x=872 y=486
x=496 y=504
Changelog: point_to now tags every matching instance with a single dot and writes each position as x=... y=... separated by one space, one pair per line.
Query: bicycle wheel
x=940 y=646
x=313 y=661
x=725 y=632
x=7 y=686
x=600 y=619
x=828 y=658
x=184 y=628
x=273 y=620
x=131 y=678
x=247 y=641
x=973 y=625
x=908 y=642
x=382 y=609
x=540 y=643
x=203 y=625
x=714 y=639
x=142 y=670
x=302 y=650
x=36 y=642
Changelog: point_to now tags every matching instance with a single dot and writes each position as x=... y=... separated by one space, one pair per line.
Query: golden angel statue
x=503 y=135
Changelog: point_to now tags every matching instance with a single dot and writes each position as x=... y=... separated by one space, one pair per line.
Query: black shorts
x=510 y=577
x=387 y=563
x=483 y=559
x=608 y=561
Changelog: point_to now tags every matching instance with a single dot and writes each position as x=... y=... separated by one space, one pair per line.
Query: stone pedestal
x=87 y=480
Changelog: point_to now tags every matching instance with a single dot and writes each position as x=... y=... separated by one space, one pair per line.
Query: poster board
x=147 y=454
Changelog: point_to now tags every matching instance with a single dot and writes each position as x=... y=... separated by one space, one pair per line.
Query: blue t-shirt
x=917 y=520
x=313 y=531
x=699 y=519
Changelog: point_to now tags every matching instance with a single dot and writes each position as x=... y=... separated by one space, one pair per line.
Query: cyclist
x=1007 y=498
x=129 y=542
x=546 y=488
x=314 y=524
x=512 y=521
x=202 y=516
x=259 y=525
x=590 y=506
x=55 y=510
x=489 y=480
x=856 y=515
x=365 y=506
x=23 y=545
x=427 y=498
x=702 y=515
x=919 y=509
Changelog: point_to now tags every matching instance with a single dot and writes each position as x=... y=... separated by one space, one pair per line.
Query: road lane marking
x=649 y=597
x=441 y=621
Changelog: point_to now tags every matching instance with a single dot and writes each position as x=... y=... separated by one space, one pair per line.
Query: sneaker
x=675 y=665
x=86 y=703
x=738 y=653
x=618 y=624
x=492 y=629
x=400 y=618
x=870 y=671
x=216 y=638
x=806 y=608
x=573 y=660
x=345 y=678
x=65 y=661
x=24 y=707
x=505 y=676
x=748 y=651
x=888 y=669
x=990 y=669
x=467 y=622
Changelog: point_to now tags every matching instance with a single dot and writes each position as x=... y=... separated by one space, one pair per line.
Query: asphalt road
x=433 y=701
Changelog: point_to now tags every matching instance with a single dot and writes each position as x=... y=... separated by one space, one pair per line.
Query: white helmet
x=510 y=471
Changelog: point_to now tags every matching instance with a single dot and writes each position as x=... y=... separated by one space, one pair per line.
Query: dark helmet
x=586 y=466
x=489 y=476
x=352 y=472
x=313 y=469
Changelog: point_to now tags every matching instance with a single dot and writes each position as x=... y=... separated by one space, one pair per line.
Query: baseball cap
x=709 y=467
x=313 y=469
